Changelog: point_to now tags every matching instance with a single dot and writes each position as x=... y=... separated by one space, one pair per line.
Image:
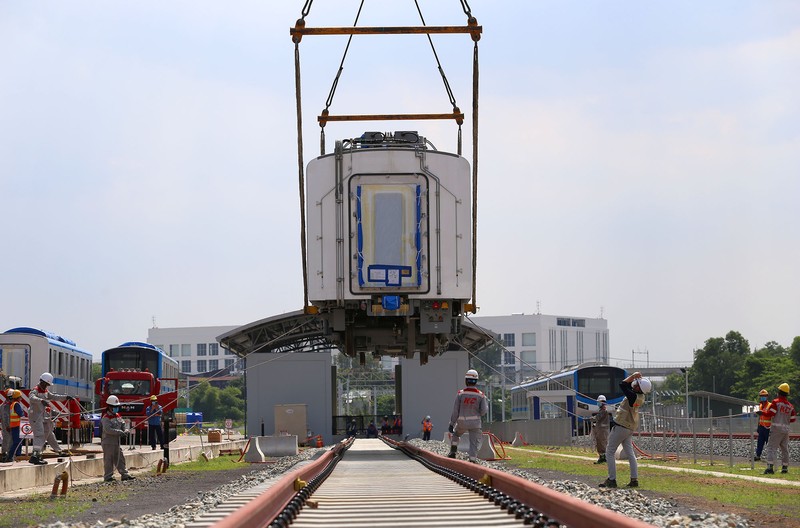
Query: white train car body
x=25 y=353
x=389 y=243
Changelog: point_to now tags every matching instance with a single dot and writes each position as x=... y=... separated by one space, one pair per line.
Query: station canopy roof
x=300 y=332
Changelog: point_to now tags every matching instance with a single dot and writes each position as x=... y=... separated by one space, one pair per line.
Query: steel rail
x=263 y=509
x=566 y=509
x=281 y=503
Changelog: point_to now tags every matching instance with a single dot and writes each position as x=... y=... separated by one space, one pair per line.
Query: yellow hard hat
x=153 y=397
x=763 y=392
x=784 y=387
x=17 y=395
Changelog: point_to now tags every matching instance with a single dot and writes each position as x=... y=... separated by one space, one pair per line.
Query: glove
x=452 y=429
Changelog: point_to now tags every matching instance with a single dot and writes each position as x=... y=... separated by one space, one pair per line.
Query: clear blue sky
x=639 y=157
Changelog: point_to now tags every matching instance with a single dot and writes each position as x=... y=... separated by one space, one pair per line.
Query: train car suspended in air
x=389 y=243
x=388 y=222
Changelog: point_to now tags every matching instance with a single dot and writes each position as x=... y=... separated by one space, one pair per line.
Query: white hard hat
x=112 y=400
x=427 y=417
x=47 y=378
x=601 y=398
x=9 y=393
x=472 y=374
x=644 y=385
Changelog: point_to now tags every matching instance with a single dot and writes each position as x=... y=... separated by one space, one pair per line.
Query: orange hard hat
x=763 y=392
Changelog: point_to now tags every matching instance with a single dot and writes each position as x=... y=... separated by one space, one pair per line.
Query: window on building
x=201 y=350
x=174 y=350
x=228 y=363
x=552 y=349
x=508 y=357
x=528 y=357
x=508 y=340
x=228 y=352
x=202 y=365
x=213 y=349
x=529 y=339
x=186 y=366
x=580 y=346
x=186 y=350
x=213 y=364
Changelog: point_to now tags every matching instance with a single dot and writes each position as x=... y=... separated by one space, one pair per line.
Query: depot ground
x=764 y=500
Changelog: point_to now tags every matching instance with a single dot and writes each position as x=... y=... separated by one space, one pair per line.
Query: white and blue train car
x=572 y=393
x=389 y=244
x=25 y=353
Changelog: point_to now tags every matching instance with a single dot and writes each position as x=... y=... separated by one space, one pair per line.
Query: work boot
x=601 y=459
x=109 y=479
x=769 y=470
x=128 y=477
x=785 y=469
x=609 y=483
x=634 y=483
x=757 y=458
x=452 y=453
x=37 y=460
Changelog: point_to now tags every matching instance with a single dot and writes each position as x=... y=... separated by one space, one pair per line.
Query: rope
x=301 y=179
x=474 y=174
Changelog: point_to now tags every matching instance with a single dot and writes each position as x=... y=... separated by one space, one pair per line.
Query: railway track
x=381 y=483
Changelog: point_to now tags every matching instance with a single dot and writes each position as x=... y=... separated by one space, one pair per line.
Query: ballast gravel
x=631 y=503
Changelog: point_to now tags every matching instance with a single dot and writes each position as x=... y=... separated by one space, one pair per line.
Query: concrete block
x=518 y=440
x=276 y=446
x=485 y=451
x=271 y=446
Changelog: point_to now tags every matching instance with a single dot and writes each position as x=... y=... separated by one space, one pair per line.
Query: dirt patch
x=148 y=494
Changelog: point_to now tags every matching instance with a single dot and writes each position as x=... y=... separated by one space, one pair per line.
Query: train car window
x=388 y=226
x=15 y=360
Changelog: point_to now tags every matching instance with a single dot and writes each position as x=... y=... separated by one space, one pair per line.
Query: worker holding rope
x=625 y=423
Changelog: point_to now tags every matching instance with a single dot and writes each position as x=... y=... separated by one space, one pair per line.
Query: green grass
x=220 y=463
x=36 y=509
x=33 y=510
x=721 y=490
x=720 y=464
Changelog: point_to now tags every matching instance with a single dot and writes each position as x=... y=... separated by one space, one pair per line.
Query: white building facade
x=195 y=348
x=536 y=343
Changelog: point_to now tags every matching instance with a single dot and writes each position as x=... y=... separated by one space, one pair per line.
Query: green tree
x=794 y=351
x=717 y=364
x=231 y=403
x=674 y=382
x=385 y=405
x=205 y=399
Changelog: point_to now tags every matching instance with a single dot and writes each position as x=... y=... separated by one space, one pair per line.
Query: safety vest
x=764 y=420
x=628 y=416
x=427 y=426
x=14 y=416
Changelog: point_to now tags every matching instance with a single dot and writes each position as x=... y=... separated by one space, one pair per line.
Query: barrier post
x=694 y=441
x=730 y=437
x=710 y=437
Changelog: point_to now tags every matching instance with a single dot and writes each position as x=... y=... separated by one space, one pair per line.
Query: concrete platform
x=22 y=478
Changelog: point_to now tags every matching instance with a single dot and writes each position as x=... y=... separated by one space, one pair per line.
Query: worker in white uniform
x=469 y=407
